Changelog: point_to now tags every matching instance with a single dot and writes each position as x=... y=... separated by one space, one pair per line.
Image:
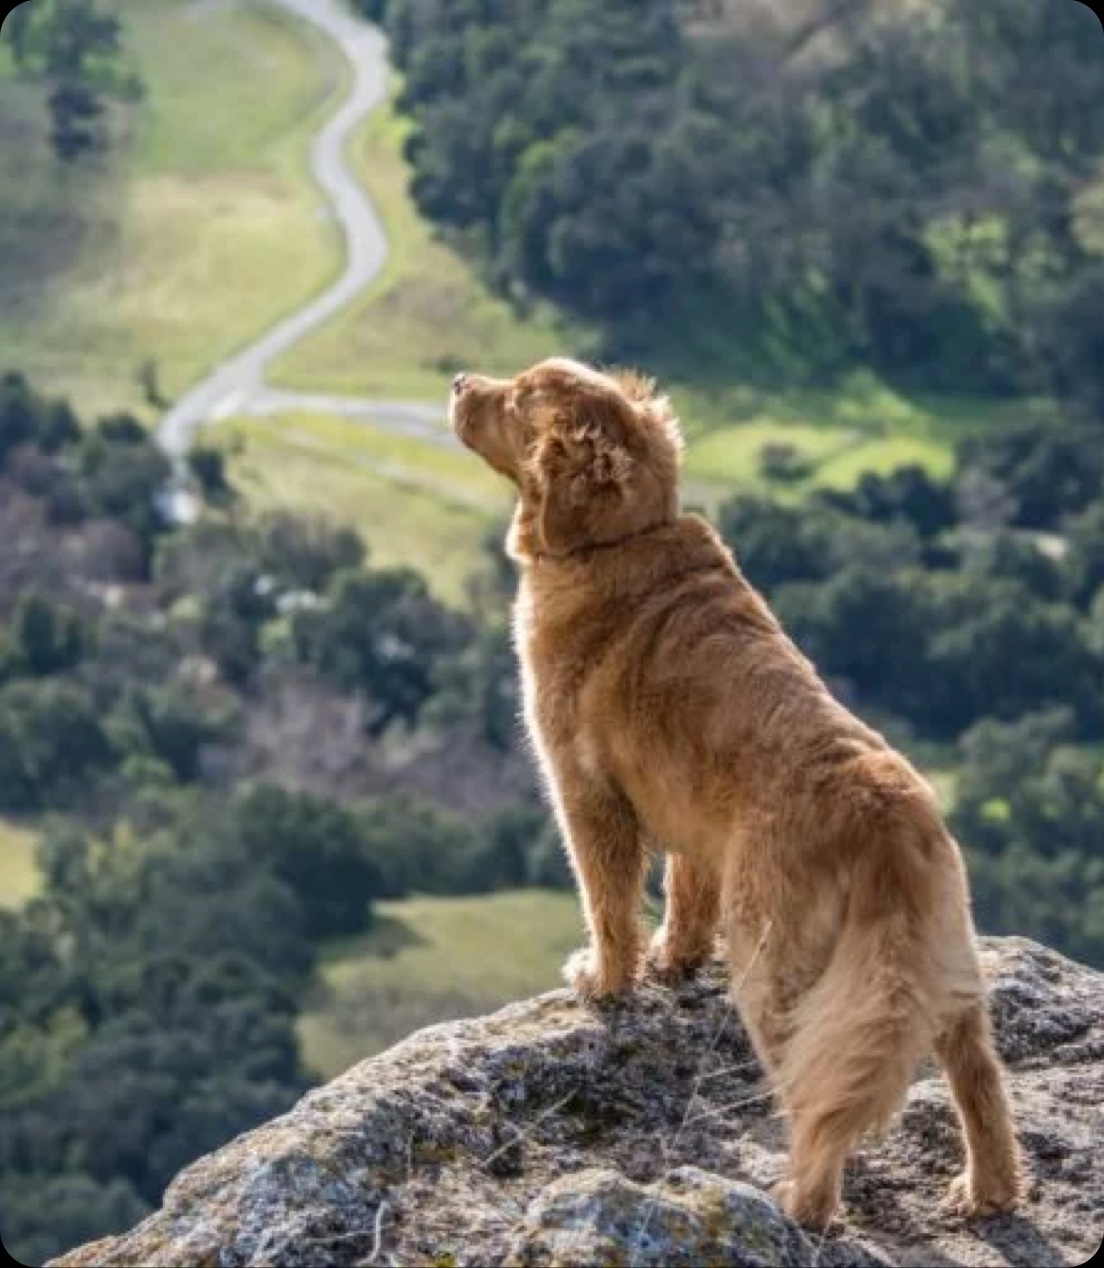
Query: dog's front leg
x=607 y=853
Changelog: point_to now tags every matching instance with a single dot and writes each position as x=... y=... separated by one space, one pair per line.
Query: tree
x=417 y=847
x=123 y=474
x=51 y=740
x=1013 y=556
x=866 y=627
x=1084 y=560
x=43 y=1215
x=318 y=849
x=44 y=638
x=27 y=418
x=1050 y=469
x=208 y=468
x=907 y=494
x=867 y=186
x=1030 y=810
x=997 y=651
x=305 y=553
x=171 y=725
x=76 y=48
x=477 y=690
x=380 y=633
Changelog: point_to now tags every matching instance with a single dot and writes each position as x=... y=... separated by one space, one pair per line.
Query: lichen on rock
x=640 y=1133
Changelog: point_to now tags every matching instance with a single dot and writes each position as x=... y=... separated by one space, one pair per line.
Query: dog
x=670 y=711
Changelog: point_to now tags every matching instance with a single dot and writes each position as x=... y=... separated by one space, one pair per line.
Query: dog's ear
x=582 y=466
x=643 y=391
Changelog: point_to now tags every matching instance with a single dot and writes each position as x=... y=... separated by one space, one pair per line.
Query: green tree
x=44 y=638
x=75 y=47
x=318 y=849
x=41 y=1215
x=27 y=418
x=171 y=725
x=1029 y=807
x=305 y=553
x=382 y=634
x=885 y=185
x=123 y=475
x=51 y=741
x=1084 y=559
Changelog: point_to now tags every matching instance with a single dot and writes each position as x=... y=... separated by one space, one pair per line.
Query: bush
x=782 y=463
x=382 y=634
x=44 y=638
x=51 y=742
x=319 y=849
x=42 y=1216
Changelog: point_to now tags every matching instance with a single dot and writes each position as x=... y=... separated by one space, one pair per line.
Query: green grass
x=202 y=229
x=428 y=314
x=860 y=425
x=18 y=869
x=429 y=508
x=415 y=504
x=435 y=959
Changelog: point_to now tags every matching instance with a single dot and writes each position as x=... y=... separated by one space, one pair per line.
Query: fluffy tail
x=858 y=1034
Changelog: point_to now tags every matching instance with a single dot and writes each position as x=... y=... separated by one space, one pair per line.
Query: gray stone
x=635 y=1134
x=689 y=1217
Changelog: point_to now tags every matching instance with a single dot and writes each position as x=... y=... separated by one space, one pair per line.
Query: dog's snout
x=459 y=381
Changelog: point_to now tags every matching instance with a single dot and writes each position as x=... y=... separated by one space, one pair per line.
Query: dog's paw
x=671 y=964
x=974 y=1198
x=813 y=1210
x=780 y=1192
x=581 y=974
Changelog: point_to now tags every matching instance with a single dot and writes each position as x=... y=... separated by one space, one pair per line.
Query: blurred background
x=264 y=807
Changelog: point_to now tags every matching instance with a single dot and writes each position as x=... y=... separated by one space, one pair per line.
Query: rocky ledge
x=634 y=1134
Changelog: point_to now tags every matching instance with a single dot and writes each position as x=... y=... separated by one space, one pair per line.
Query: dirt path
x=237 y=387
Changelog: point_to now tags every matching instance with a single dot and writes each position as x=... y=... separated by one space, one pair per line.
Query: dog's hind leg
x=992 y=1179
x=607 y=853
x=685 y=939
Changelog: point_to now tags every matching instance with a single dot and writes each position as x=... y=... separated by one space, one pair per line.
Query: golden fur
x=671 y=712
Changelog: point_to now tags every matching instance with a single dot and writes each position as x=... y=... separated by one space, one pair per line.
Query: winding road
x=237 y=387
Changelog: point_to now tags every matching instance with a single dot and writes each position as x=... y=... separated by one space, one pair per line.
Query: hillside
x=161 y=251
x=639 y=1133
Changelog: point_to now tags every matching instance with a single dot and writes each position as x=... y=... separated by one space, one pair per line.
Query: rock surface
x=635 y=1134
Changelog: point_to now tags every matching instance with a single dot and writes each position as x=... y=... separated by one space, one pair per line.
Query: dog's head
x=594 y=456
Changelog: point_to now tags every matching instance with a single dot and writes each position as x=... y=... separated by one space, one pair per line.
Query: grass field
x=18 y=871
x=415 y=504
x=202 y=229
x=434 y=959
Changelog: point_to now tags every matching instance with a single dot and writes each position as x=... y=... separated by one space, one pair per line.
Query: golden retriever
x=671 y=712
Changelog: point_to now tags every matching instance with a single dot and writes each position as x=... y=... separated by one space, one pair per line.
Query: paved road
x=238 y=387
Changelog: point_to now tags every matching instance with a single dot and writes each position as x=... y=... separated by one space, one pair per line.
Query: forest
x=198 y=720
x=779 y=190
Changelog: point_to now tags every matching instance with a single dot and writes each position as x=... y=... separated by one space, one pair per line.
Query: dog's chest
x=552 y=668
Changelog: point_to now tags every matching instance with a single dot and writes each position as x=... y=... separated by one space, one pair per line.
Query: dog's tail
x=858 y=1034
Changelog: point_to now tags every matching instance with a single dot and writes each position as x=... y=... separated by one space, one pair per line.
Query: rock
x=688 y=1217
x=634 y=1134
